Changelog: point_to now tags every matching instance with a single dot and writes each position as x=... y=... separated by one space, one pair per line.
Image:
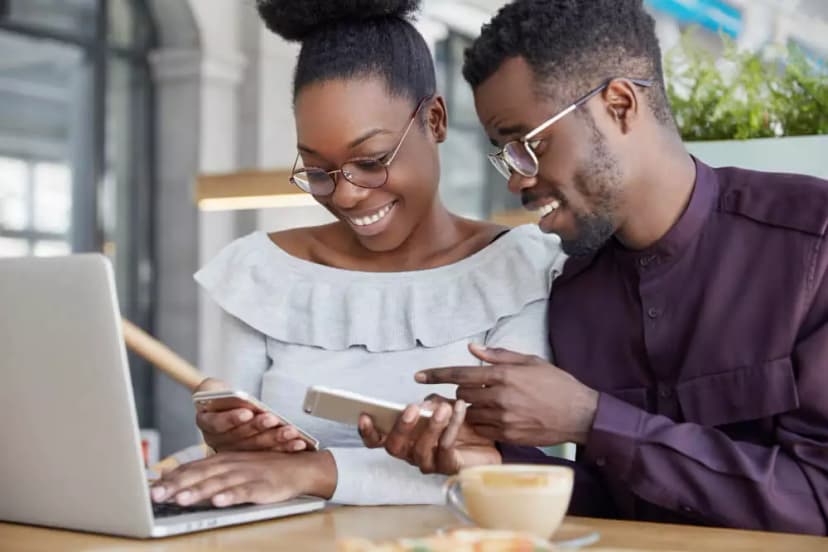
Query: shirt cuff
x=370 y=477
x=516 y=454
x=614 y=436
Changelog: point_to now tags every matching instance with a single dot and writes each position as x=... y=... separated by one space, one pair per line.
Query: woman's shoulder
x=304 y=242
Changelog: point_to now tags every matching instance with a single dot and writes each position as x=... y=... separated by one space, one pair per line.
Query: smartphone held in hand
x=220 y=401
x=345 y=407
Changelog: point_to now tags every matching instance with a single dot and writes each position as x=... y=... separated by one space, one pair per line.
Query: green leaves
x=742 y=95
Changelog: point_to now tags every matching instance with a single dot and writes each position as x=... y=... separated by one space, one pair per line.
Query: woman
x=396 y=284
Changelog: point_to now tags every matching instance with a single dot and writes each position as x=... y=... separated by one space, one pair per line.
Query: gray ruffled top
x=290 y=323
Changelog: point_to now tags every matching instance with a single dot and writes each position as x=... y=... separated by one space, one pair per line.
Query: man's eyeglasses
x=519 y=155
x=365 y=173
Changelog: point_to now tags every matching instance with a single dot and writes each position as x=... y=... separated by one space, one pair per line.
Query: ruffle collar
x=301 y=302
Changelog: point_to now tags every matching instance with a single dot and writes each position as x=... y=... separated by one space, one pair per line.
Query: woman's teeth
x=549 y=207
x=371 y=219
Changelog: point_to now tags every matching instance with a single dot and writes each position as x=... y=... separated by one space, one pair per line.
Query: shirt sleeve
x=524 y=332
x=703 y=473
x=370 y=477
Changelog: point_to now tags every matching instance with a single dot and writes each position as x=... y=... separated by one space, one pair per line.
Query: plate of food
x=459 y=540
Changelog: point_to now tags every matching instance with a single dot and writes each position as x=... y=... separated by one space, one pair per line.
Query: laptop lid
x=70 y=453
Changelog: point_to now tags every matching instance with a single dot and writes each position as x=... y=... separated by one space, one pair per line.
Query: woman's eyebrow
x=352 y=144
x=367 y=136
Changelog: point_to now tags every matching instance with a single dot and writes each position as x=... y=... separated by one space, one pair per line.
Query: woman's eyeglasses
x=365 y=173
x=519 y=155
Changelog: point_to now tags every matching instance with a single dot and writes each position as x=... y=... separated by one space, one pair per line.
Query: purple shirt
x=710 y=352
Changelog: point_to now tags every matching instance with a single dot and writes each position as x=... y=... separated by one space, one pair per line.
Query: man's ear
x=621 y=101
x=437 y=119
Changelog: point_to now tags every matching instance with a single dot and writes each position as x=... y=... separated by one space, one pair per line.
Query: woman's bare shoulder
x=303 y=242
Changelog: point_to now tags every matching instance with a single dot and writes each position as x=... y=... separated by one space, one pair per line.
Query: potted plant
x=760 y=112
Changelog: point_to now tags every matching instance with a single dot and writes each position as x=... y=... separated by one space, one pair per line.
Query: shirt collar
x=686 y=228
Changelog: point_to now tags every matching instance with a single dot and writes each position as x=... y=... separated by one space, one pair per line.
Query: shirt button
x=601 y=461
x=644 y=262
x=687 y=509
x=653 y=312
x=665 y=392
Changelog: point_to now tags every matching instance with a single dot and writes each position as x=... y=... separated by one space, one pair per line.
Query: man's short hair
x=572 y=46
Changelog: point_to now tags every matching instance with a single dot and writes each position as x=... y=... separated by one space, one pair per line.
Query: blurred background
x=157 y=131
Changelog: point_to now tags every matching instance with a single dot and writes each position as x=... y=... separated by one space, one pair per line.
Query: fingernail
x=299 y=445
x=408 y=415
x=184 y=497
x=442 y=414
x=420 y=377
x=158 y=493
x=221 y=499
x=245 y=416
x=270 y=421
x=477 y=346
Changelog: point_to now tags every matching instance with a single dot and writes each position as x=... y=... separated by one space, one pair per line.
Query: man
x=690 y=326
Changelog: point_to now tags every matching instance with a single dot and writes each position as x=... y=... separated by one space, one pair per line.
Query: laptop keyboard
x=168 y=509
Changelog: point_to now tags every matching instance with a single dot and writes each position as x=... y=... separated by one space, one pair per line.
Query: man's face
x=577 y=167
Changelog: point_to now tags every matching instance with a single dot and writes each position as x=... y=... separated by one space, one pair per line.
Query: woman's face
x=357 y=119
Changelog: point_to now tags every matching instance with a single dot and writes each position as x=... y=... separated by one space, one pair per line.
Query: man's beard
x=599 y=182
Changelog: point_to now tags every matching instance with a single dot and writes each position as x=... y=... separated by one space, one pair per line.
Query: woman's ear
x=437 y=119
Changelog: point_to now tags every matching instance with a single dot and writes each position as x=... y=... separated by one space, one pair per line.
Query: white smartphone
x=345 y=407
x=218 y=401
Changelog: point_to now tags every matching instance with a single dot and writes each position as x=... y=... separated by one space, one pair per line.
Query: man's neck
x=661 y=195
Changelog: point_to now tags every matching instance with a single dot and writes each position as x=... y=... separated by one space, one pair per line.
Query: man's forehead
x=509 y=103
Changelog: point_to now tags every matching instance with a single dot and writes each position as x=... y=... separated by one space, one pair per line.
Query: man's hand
x=241 y=429
x=445 y=446
x=520 y=399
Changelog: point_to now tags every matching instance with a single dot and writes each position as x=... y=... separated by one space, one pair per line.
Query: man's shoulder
x=783 y=200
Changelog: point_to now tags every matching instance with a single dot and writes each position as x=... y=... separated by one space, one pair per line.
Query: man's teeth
x=549 y=207
x=371 y=219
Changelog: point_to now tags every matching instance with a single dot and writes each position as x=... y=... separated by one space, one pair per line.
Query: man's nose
x=517 y=182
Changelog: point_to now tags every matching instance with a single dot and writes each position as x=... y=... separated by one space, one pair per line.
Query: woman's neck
x=433 y=242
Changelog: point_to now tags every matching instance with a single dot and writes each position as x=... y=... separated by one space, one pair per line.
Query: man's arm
x=685 y=467
x=701 y=471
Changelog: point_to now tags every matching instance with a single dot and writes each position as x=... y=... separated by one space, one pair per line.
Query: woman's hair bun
x=296 y=19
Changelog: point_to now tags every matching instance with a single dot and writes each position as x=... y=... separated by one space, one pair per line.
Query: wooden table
x=319 y=531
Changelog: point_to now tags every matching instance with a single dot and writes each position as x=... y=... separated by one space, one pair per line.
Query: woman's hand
x=241 y=429
x=230 y=478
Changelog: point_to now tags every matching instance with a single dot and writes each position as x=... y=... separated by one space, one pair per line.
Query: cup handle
x=451 y=491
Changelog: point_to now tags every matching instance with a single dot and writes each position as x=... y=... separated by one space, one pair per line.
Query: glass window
x=76 y=17
x=13 y=247
x=13 y=192
x=128 y=25
x=75 y=140
x=52 y=197
x=47 y=248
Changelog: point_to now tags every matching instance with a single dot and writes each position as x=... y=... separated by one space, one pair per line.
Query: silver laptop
x=69 y=444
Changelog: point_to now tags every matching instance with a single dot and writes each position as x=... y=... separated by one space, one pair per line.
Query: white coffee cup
x=516 y=497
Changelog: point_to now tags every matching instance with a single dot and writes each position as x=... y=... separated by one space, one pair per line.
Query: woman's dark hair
x=343 y=39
